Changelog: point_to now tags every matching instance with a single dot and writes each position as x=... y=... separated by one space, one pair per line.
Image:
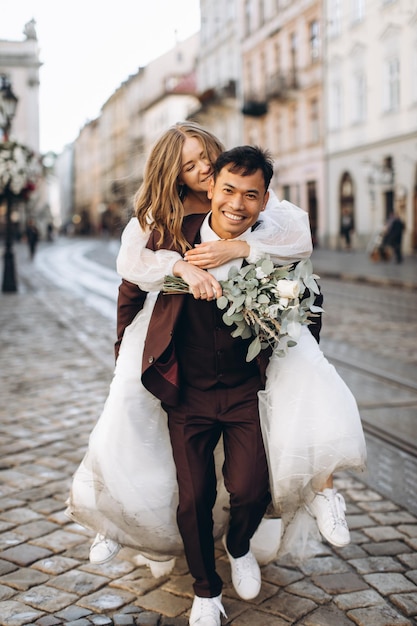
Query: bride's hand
x=214 y=253
x=202 y=284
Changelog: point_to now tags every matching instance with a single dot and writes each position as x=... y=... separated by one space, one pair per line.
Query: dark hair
x=246 y=160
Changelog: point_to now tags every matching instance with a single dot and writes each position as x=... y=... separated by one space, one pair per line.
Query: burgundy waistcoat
x=206 y=352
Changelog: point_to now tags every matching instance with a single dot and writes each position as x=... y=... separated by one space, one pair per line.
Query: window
x=359 y=97
x=277 y=57
x=248 y=15
x=293 y=47
x=314 y=121
x=262 y=73
x=294 y=130
x=391 y=87
x=314 y=41
x=278 y=133
x=230 y=11
x=249 y=78
x=335 y=17
x=358 y=10
x=293 y=61
x=261 y=12
x=335 y=105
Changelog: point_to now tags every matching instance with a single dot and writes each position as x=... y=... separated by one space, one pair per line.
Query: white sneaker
x=328 y=507
x=206 y=611
x=246 y=575
x=103 y=549
x=158 y=568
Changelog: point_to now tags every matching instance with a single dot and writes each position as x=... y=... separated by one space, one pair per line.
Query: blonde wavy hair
x=158 y=200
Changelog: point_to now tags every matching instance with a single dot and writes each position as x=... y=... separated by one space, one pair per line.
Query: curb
x=378 y=281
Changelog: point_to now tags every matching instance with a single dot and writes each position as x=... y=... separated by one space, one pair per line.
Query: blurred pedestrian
x=392 y=237
x=50 y=232
x=32 y=236
x=346 y=227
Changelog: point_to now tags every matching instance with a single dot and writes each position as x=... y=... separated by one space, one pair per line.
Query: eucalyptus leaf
x=227 y=320
x=311 y=284
x=235 y=291
x=246 y=269
x=235 y=314
x=263 y=299
x=239 y=300
x=234 y=271
x=246 y=332
x=267 y=266
x=222 y=302
x=254 y=349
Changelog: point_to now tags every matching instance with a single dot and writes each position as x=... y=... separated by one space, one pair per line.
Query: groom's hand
x=202 y=284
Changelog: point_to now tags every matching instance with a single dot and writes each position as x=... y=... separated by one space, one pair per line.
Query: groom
x=208 y=389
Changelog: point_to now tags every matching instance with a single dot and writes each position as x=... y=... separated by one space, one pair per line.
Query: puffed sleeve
x=138 y=264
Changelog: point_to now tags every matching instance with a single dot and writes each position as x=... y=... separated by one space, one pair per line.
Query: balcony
x=254 y=106
x=216 y=95
x=282 y=86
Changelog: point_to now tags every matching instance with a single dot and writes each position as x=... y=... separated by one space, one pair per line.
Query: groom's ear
x=266 y=198
x=210 y=188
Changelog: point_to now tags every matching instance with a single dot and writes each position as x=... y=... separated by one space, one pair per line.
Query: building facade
x=371 y=117
x=282 y=88
x=19 y=61
x=110 y=152
x=329 y=87
x=19 y=65
x=219 y=71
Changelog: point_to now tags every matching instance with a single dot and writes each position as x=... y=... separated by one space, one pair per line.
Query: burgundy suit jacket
x=160 y=372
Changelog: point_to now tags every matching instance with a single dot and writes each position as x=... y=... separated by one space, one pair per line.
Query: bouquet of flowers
x=264 y=301
x=19 y=169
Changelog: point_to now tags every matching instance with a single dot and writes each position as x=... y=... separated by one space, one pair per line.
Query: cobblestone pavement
x=56 y=365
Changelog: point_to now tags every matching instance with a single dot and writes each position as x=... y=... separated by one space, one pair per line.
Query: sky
x=88 y=48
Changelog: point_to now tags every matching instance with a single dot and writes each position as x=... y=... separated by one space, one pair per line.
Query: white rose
x=288 y=289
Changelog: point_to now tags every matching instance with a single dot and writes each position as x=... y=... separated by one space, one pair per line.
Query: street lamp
x=8 y=104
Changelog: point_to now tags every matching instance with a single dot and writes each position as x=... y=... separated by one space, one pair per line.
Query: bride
x=125 y=488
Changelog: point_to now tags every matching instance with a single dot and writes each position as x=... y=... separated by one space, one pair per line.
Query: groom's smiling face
x=236 y=202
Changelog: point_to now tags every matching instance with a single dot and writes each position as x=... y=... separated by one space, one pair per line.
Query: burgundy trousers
x=195 y=427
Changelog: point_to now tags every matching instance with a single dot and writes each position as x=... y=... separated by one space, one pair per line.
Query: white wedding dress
x=125 y=487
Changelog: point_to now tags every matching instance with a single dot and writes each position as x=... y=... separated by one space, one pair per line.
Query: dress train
x=126 y=488
x=311 y=429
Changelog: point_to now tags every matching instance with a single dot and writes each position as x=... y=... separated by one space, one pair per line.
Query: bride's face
x=196 y=168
